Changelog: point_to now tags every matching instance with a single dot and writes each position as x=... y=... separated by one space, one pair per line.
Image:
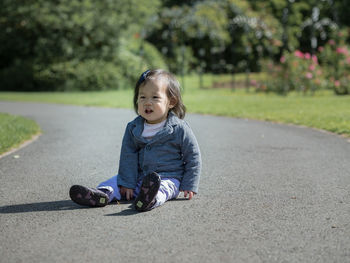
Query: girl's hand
x=127 y=192
x=189 y=193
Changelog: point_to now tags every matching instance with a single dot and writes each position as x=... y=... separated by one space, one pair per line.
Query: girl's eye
x=155 y=97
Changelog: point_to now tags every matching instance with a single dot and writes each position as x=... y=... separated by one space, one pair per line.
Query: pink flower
x=342 y=50
x=253 y=82
x=299 y=54
x=314 y=59
x=337 y=83
x=307 y=55
x=308 y=75
x=283 y=59
x=312 y=67
x=320 y=49
x=331 y=42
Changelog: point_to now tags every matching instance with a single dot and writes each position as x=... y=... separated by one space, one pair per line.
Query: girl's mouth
x=148 y=111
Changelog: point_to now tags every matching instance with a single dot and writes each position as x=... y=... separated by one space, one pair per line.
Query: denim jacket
x=173 y=153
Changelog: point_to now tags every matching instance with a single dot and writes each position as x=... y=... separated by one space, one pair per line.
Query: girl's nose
x=148 y=102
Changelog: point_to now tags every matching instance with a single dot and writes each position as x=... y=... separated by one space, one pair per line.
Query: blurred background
x=84 y=45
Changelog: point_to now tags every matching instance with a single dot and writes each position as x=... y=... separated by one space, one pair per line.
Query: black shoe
x=88 y=196
x=148 y=191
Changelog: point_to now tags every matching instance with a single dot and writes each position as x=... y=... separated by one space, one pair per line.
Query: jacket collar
x=171 y=122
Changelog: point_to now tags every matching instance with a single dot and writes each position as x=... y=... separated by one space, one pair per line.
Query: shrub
x=136 y=57
x=85 y=75
x=18 y=77
x=335 y=60
x=122 y=71
x=329 y=68
x=72 y=42
x=296 y=71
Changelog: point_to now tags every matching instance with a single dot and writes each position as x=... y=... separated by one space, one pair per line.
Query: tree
x=42 y=38
x=213 y=33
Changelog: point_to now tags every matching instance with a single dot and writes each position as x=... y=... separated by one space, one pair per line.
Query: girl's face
x=153 y=103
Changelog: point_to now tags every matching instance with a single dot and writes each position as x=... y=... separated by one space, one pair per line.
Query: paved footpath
x=268 y=193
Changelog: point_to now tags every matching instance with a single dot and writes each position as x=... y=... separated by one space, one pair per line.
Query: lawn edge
x=21 y=145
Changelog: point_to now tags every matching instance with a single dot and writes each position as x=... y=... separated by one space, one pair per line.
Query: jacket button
x=148 y=147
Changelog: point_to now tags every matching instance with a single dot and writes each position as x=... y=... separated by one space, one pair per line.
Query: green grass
x=115 y=99
x=323 y=110
x=14 y=130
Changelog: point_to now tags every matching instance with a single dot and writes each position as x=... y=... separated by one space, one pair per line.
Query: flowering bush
x=296 y=71
x=335 y=60
x=305 y=71
x=329 y=68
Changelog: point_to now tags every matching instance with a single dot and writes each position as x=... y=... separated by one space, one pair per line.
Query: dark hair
x=173 y=89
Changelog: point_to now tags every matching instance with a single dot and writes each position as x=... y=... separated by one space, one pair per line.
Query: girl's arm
x=128 y=164
x=192 y=162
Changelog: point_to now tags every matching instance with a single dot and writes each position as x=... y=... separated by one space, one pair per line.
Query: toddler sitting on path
x=160 y=156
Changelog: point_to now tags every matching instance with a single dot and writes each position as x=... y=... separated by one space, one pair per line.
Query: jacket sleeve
x=128 y=164
x=192 y=161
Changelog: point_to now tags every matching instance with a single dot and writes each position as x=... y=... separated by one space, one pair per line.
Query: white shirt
x=149 y=130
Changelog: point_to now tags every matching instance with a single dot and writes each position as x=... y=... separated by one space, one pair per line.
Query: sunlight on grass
x=117 y=99
x=323 y=110
x=14 y=130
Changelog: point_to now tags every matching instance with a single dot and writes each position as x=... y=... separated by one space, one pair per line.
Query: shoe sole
x=84 y=196
x=148 y=191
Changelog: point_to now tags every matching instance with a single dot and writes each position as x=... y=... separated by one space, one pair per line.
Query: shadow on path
x=61 y=206
x=131 y=211
x=125 y=212
x=39 y=207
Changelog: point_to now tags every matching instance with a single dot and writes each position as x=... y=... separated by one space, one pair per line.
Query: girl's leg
x=105 y=193
x=110 y=187
x=169 y=189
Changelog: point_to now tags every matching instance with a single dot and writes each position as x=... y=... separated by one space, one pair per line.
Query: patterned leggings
x=169 y=189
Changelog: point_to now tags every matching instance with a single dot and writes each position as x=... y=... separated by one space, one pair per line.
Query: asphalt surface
x=268 y=193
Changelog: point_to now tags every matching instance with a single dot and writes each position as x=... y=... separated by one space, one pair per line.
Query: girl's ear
x=173 y=102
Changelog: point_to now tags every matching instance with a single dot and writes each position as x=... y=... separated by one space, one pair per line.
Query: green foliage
x=323 y=110
x=90 y=74
x=329 y=68
x=62 y=45
x=97 y=74
x=254 y=36
x=42 y=37
x=295 y=72
x=19 y=76
x=239 y=36
x=288 y=14
x=190 y=31
x=335 y=58
x=135 y=56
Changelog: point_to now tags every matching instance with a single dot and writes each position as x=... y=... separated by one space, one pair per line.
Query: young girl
x=160 y=156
